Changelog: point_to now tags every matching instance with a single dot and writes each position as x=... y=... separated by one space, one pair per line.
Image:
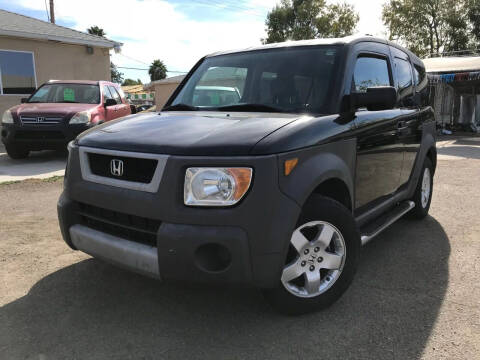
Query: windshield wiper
x=180 y=107
x=250 y=107
x=68 y=101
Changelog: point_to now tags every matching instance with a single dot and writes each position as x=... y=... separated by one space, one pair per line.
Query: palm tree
x=157 y=70
x=95 y=30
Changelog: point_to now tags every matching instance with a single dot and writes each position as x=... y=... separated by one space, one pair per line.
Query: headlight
x=7 y=117
x=82 y=117
x=206 y=186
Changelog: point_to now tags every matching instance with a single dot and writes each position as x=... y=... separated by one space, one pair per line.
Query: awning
x=448 y=78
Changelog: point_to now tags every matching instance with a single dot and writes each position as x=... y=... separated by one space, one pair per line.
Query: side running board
x=378 y=225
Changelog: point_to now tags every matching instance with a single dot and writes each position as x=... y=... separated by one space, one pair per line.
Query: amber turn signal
x=243 y=177
x=290 y=165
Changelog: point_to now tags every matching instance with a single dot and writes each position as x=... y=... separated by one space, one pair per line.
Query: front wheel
x=322 y=259
x=16 y=152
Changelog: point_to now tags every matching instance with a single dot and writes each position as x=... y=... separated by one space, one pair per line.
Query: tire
x=16 y=152
x=320 y=216
x=422 y=201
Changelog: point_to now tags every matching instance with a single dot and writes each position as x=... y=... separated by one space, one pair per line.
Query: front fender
x=316 y=165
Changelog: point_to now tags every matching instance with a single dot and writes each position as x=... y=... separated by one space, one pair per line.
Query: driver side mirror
x=375 y=98
x=23 y=100
x=109 y=102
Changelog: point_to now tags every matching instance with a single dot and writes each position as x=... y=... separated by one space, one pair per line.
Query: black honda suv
x=268 y=166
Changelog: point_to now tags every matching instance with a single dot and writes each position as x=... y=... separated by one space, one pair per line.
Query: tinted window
x=370 y=72
x=404 y=73
x=405 y=81
x=17 y=74
x=421 y=85
x=286 y=79
x=67 y=93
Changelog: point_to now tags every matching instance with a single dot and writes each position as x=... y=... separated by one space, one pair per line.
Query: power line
x=46 y=10
x=133 y=68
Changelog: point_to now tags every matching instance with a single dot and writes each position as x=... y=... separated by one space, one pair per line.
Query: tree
x=430 y=26
x=95 y=30
x=309 y=19
x=116 y=75
x=157 y=70
x=129 y=82
x=474 y=18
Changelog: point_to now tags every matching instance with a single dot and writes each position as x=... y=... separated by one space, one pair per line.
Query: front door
x=121 y=109
x=379 y=150
x=110 y=111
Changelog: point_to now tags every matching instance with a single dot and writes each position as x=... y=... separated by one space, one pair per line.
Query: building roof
x=452 y=64
x=133 y=88
x=170 y=80
x=16 y=25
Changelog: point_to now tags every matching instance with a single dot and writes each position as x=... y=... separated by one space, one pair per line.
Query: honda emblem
x=116 y=167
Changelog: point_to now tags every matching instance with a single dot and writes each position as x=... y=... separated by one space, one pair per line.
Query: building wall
x=60 y=61
x=163 y=92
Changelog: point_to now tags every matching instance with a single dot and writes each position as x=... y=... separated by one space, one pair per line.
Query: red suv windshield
x=67 y=93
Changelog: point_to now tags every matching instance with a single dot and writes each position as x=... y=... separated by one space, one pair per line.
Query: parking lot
x=39 y=165
x=416 y=294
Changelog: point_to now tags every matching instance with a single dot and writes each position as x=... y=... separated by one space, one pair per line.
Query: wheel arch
x=327 y=170
x=336 y=189
x=432 y=155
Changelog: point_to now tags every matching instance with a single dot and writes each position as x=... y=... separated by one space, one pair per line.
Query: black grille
x=134 y=169
x=39 y=135
x=129 y=227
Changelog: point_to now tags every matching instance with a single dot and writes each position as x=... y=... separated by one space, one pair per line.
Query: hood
x=50 y=109
x=186 y=133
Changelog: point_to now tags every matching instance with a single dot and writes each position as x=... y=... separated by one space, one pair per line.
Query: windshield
x=283 y=80
x=66 y=93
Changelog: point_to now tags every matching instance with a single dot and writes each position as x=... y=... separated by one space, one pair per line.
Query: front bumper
x=246 y=243
x=40 y=137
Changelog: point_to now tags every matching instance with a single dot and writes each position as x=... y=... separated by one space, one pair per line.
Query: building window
x=17 y=73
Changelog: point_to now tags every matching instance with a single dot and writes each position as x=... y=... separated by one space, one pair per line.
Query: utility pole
x=52 y=12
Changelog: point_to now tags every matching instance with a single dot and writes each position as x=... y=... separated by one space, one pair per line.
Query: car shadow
x=37 y=163
x=96 y=311
x=463 y=151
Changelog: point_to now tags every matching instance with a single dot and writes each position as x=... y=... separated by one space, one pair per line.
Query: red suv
x=57 y=112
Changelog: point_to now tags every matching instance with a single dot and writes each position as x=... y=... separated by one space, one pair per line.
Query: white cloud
x=370 y=12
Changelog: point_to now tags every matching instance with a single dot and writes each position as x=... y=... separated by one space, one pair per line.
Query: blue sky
x=179 y=32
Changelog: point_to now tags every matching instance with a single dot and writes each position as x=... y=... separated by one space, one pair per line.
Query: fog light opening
x=213 y=258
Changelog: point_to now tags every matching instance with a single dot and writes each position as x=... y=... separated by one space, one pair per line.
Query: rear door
x=409 y=126
x=379 y=151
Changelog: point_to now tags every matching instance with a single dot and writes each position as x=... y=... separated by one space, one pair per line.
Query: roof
x=328 y=41
x=86 y=82
x=170 y=80
x=16 y=25
x=452 y=64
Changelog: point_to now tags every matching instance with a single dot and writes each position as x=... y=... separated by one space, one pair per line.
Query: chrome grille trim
x=34 y=120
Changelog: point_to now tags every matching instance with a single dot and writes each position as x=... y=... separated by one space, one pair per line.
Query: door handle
x=402 y=124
